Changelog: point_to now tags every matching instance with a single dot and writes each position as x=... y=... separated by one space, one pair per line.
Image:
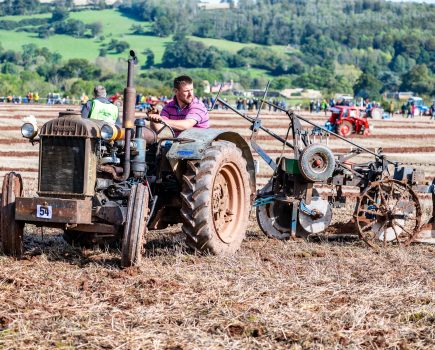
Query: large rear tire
x=11 y=230
x=135 y=226
x=216 y=200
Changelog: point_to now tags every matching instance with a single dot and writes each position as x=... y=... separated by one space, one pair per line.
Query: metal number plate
x=44 y=212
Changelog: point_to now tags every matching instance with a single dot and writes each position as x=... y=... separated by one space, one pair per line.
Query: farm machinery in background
x=387 y=209
x=100 y=181
x=347 y=120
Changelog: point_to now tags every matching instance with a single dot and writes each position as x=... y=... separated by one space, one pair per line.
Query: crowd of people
x=144 y=102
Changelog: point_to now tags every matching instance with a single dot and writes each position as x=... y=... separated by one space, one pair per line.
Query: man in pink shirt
x=185 y=111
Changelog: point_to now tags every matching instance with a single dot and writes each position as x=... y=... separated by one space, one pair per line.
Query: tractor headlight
x=107 y=132
x=112 y=132
x=29 y=130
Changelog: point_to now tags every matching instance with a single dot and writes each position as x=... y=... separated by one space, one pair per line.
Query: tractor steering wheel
x=165 y=125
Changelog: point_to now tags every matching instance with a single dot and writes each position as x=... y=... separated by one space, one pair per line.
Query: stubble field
x=330 y=292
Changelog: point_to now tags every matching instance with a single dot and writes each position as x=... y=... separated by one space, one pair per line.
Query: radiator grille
x=62 y=165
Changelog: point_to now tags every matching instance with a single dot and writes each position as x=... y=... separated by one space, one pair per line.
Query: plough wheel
x=11 y=230
x=135 y=226
x=316 y=163
x=274 y=218
x=216 y=200
x=388 y=212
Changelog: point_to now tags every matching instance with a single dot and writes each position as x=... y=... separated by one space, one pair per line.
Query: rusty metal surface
x=68 y=211
x=96 y=227
x=388 y=212
x=57 y=171
x=72 y=125
x=114 y=214
x=11 y=230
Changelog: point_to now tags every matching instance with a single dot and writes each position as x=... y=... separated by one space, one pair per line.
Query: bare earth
x=326 y=293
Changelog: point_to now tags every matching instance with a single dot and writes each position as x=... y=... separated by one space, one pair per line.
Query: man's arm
x=86 y=109
x=177 y=125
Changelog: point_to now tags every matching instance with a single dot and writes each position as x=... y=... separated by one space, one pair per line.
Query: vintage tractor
x=101 y=181
x=347 y=120
x=387 y=210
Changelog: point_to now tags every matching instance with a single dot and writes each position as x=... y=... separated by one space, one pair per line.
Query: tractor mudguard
x=203 y=139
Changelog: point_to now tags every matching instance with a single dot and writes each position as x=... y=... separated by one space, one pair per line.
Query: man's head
x=100 y=91
x=183 y=90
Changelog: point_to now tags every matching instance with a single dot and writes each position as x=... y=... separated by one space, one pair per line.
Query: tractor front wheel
x=216 y=200
x=135 y=226
x=11 y=230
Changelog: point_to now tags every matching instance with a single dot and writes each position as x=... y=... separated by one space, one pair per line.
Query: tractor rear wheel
x=135 y=226
x=345 y=128
x=216 y=200
x=11 y=230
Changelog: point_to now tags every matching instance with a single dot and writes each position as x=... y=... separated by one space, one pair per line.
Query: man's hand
x=155 y=118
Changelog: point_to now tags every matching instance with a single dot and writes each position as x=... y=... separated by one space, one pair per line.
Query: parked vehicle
x=420 y=107
x=347 y=120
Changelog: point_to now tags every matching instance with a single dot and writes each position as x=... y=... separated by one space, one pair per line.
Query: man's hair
x=182 y=80
x=100 y=91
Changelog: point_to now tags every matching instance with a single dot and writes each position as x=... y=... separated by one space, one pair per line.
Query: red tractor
x=346 y=120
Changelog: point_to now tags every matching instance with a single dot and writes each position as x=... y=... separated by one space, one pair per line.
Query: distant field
x=115 y=26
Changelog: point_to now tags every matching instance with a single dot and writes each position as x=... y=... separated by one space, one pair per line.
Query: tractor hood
x=72 y=124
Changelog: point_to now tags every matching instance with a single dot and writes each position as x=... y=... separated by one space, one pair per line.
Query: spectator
x=391 y=108
x=100 y=107
x=432 y=111
x=403 y=109
x=410 y=113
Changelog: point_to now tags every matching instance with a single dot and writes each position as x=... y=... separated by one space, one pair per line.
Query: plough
x=387 y=209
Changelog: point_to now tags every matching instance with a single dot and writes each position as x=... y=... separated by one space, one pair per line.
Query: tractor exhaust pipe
x=128 y=113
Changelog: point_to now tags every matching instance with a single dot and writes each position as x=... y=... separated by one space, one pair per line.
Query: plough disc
x=388 y=212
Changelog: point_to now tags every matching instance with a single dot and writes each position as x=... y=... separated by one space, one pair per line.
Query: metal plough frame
x=370 y=177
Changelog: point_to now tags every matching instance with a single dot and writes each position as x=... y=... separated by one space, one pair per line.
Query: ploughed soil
x=331 y=291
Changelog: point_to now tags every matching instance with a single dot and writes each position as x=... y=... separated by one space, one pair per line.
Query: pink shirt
x=195 y=111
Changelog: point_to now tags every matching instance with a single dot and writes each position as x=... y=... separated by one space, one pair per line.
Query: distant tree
x=149 y=58
x=367 y=86
x=121 y=46
x=73 y=27
x=398 y=64
x=10 y=68
x=102 y=52
x=96 y=28
x=390 y=81
x=163 y=26
x=419 y=80
x=137 y=29
x=59 y=14
x=79 y=68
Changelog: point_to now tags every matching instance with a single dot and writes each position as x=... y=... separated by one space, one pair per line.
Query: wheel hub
x=221 y=213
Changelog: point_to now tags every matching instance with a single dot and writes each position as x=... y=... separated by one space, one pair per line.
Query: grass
x=115 y=26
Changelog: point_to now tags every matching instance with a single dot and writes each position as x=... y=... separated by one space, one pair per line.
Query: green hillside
x=115 y=26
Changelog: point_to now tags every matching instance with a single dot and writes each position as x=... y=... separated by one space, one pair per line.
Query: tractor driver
x=100 y=107
x=185 y=111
